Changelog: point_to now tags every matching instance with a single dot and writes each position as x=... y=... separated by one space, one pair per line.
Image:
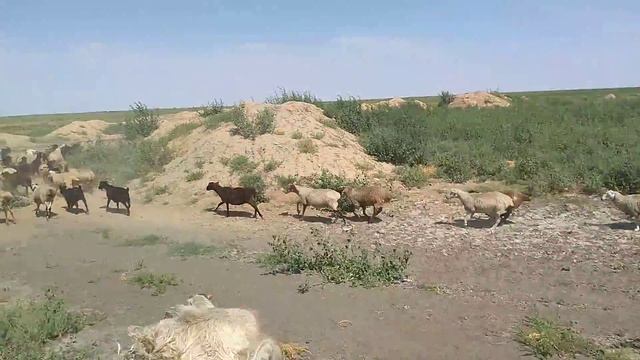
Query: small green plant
x=263 y=124
x=114 y=129
x=306 y=146
x=141 y=122
x=161 y=190
x=282 y=96
x=200 y=163
x=348 y=114
x=241 y=164
x=146 y=240
x=158 y=282
x=319 y=135
x=412 y=176
x=191 y=249
x=28 y=328
x=296 y=135
x=445 y=98
x=271 y=165
x=285 y=181
x=337 y=263
x=213 y=108
x=194 y=175
x=257 y=182
x=181 y=130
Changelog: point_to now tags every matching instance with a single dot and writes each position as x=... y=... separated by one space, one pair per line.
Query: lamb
x=5 y=201
x=368 y=196
x=84 y=177
x=72 y=196
x=235 y=196
x=116 y=194
x=318 y=198
x=629 y=204
x=44 y=194
x=494 y=204
x=202 y=331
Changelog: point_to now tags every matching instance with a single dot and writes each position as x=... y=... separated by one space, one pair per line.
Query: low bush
x=306 y=146
x=348 y=114
x=271 y=165
x=263 y=124
x=141 y=121
x=413 y=176
x=255 y=181
x=445 y=98
x=181 y=130
x=194 y=175
x=241 y=164
x=285 y=181
x=157 y=282
x=213 y=108
x=337 y=263
x=282 y=96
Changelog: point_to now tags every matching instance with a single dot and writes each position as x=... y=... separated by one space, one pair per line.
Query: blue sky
x=68 y=56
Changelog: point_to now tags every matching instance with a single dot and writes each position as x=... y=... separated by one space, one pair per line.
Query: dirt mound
x=83 y=131
x=394 y=103
x=15 y=142
x=479 y=99
x=209 y=150
x=171 y=121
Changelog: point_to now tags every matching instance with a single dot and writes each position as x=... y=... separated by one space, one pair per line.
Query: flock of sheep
x=51 y=168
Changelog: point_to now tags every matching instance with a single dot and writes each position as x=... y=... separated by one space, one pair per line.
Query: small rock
x=566 y=268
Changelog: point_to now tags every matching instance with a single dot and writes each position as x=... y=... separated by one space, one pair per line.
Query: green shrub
x=28 y=328
x=141 y=121
x=194 y=175
x=445 y=98
x=337 y=263
x=158 y=282
x=231 y=116
x=257 y=182
x=271 y=165
x=319 y=135
x=213 y=108
x=285 y=181
x=296 y=135
x=306 y=146
x=241 y=164
x=282 y=96
x=265 y=122
x=348 y=114
x=413 y=176
x=454 y=167
x=181 y=130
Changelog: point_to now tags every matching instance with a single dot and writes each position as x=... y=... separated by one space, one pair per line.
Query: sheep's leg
x=298 y=208
x=86 y=207
x=221 y=202
x=37 y=210
x=257 y=211
x=12 y=216
x=128 y=206
x=227 y=209
x=108 y=202
x=467 y=217
x=378 y=212
x=304 y=208
x=118 y=205
x=497 y=222
x=6 y=217
x=364 y=210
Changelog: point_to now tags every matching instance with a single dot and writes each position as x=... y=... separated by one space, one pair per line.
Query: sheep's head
x=609 y=195
x=213 y=185
x=103 y=185
x=347 y=191
x=452 y=193
x=292 y=188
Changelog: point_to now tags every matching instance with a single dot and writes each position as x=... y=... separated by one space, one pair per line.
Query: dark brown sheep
x=518 y=198
x=235 y=196
x=118 y=195
x=72 y=196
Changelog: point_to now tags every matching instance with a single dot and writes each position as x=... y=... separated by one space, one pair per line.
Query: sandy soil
x=574 y=258
x=480 y=99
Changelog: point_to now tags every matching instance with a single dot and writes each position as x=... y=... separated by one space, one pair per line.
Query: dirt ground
x=575 y=259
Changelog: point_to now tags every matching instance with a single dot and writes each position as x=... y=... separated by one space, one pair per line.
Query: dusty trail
x=479 y=287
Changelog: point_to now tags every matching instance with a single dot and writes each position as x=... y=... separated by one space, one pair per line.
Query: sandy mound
x=15 y=142
x=479 y=99
x=169 y=122
x=83 y=131
x=337 y=150
x=610 y=97
x=394 y=103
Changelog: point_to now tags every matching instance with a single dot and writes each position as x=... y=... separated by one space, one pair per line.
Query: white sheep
x=200 y=330
x=55 y=159
x=44 y=194
x=59 y=179
x=629 y=204
x=84 y=177
x=494 y=204
x=5 y=201
x=318 y=198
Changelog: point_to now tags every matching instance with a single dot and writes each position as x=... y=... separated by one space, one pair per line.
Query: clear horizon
x=61 y=57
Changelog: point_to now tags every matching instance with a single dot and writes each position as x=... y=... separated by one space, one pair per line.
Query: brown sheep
x=235 y=196
x=5 y=201
x=368 y=196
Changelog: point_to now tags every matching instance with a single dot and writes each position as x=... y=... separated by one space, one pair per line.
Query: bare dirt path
x=469 y=289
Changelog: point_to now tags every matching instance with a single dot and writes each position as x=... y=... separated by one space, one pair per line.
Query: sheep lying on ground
x=494 y=204
x=318 y=198
x=201 y=331
x=368 y=196
x=44 y=194
x=5 y=201
x=119 y=195
x=72 y=196
x=629 y=204
x=235 y=196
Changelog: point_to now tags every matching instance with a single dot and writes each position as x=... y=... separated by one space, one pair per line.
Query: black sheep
x=72 y=196
x=119 y=195
x=235 y=196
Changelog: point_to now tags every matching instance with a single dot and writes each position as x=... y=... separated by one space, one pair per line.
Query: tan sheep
x=318 y=198
x=201 y=331
x=494 y=204
x=44 y=195
x=58 y=179
x=6 y=200
x=629 y=204
x=368 y=196
x=85 y=177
